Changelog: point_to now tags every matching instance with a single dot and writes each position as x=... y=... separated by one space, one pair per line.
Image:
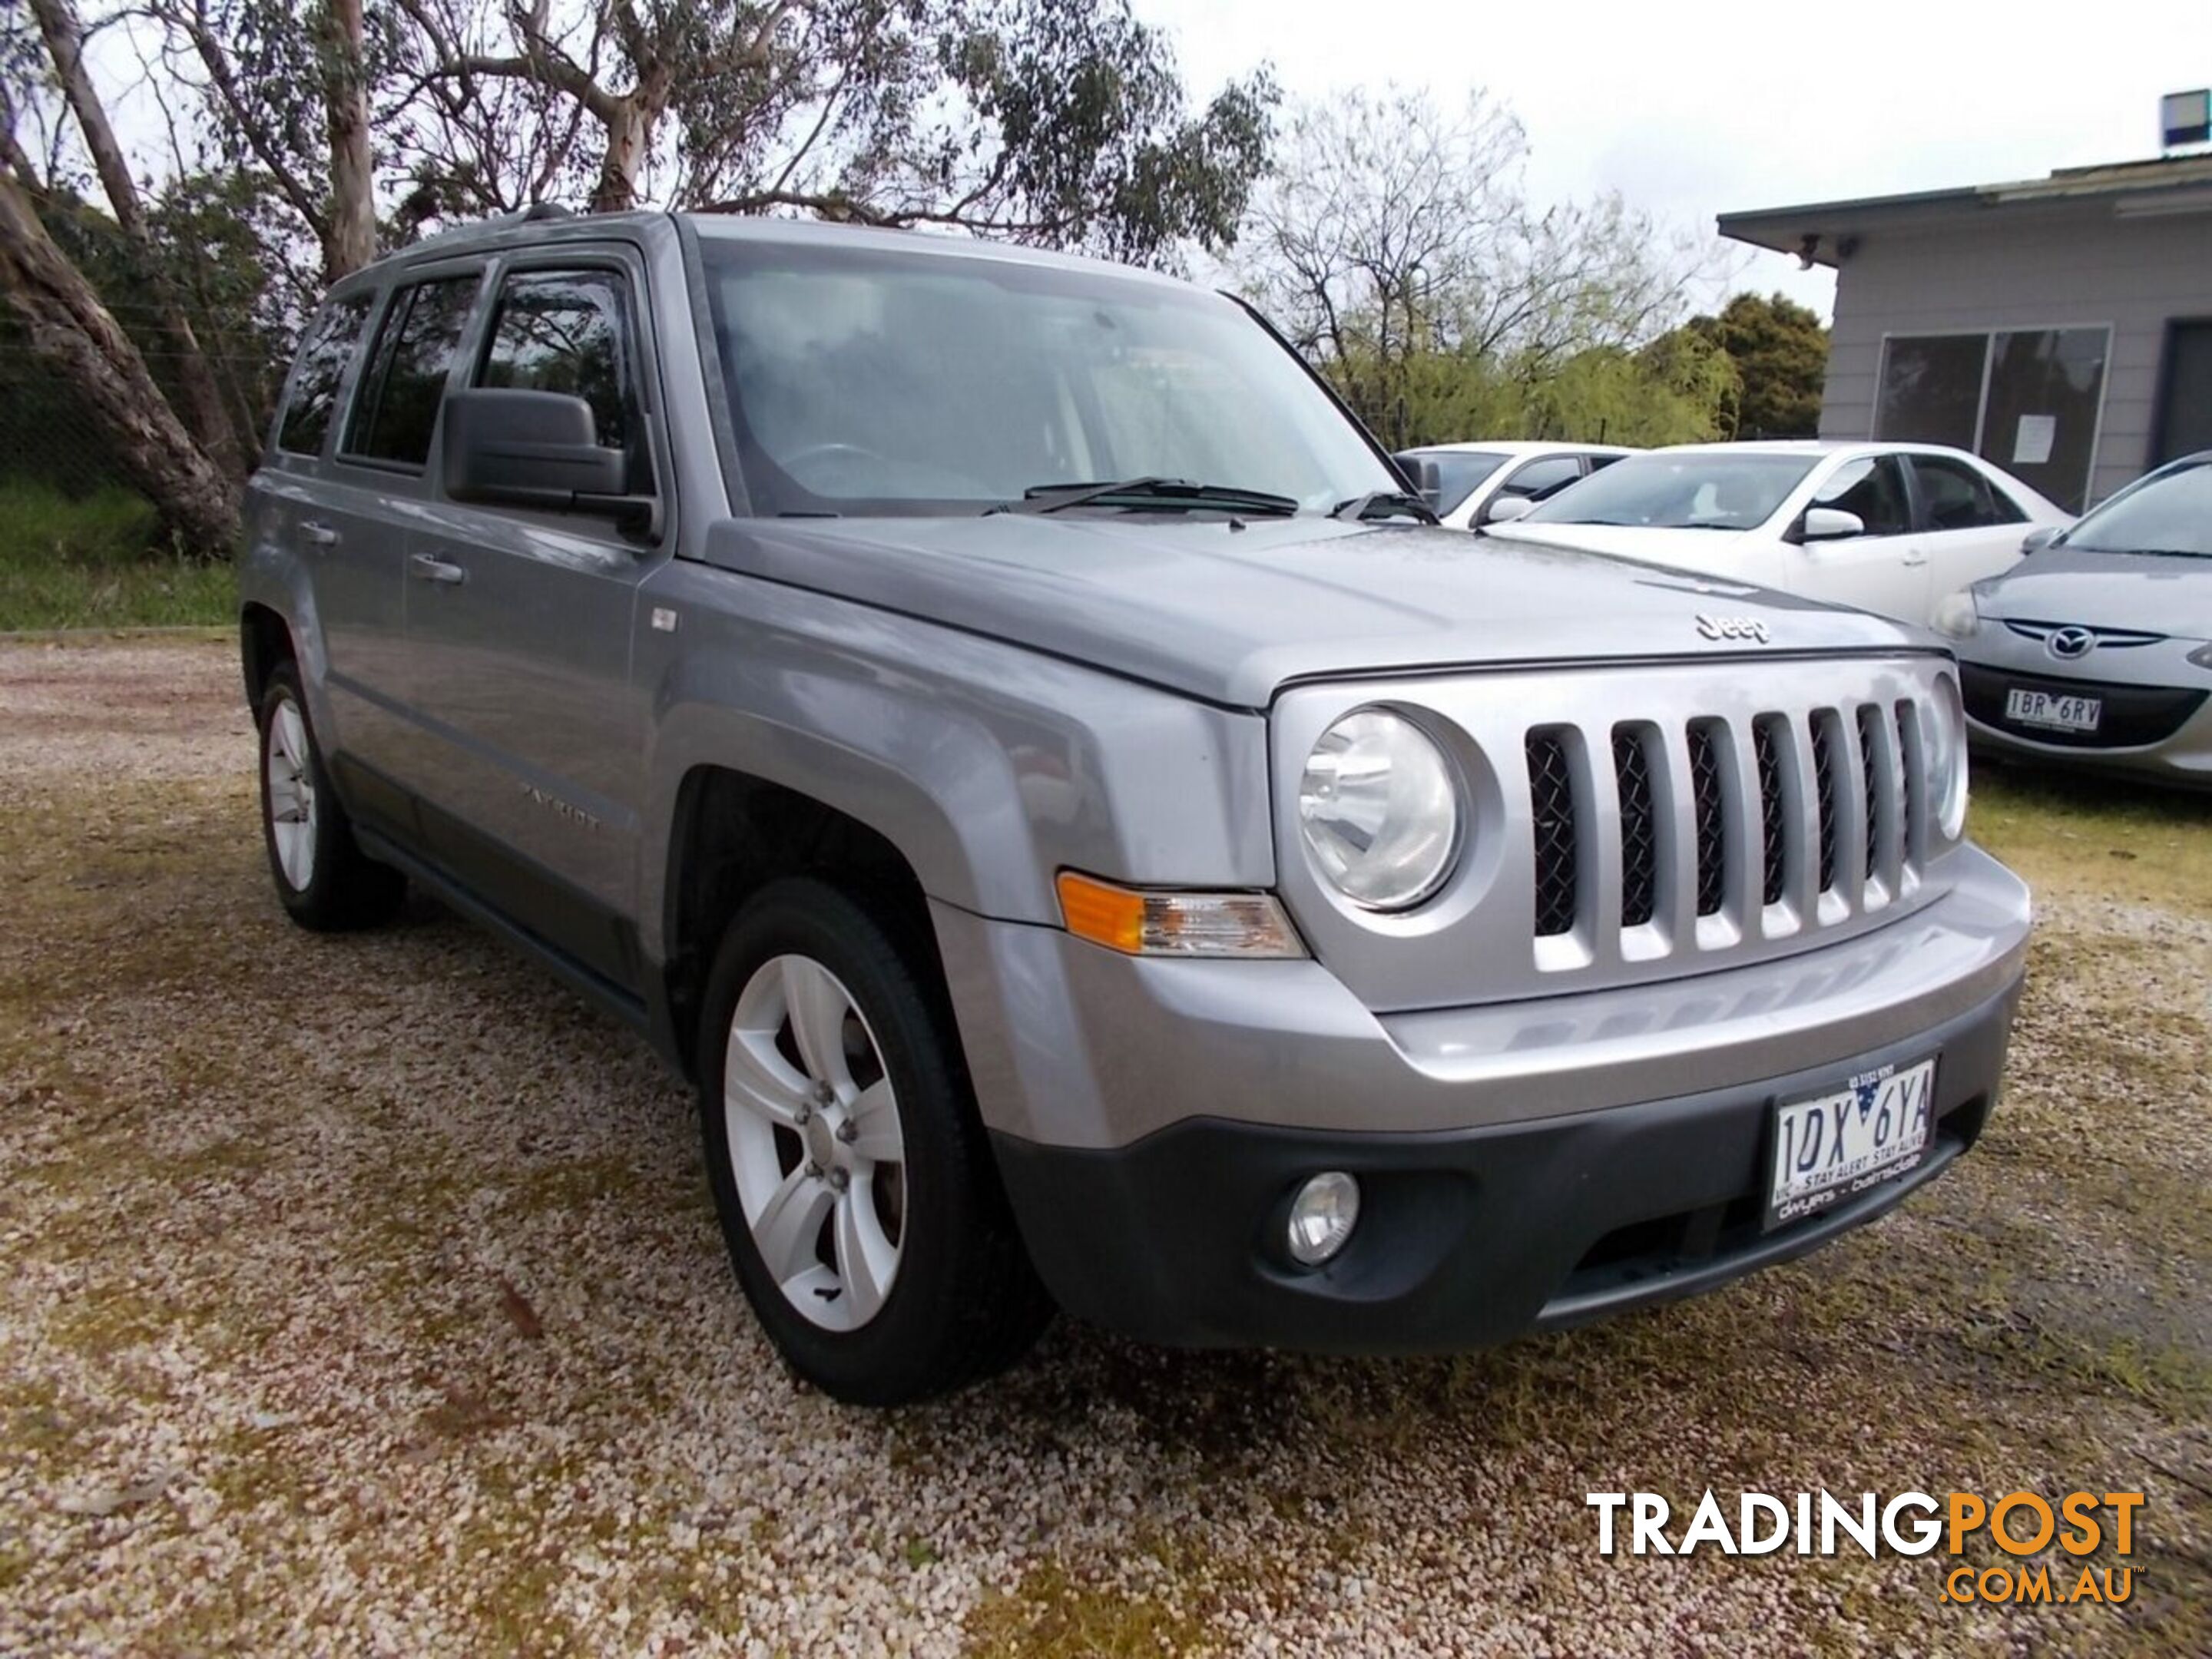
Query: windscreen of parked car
x=1703 y=491
x=1460 y=472
x=2168 y=514
x=866 y=381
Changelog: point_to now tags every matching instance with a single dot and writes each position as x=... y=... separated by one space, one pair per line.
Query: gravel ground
x=361 y=1295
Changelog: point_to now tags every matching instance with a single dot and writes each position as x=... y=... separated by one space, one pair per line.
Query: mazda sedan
x=2096 y=649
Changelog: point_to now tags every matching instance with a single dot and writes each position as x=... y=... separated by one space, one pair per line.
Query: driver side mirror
x=1504 y=509
x=1830 y=524
x=503 y=446
x=2041 y=536
x=1424 y=477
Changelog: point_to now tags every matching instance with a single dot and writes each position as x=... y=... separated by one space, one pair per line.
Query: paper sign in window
x=2032 y=440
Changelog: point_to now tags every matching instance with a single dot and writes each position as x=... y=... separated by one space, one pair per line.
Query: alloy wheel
x=291 y=795
x=814 y=1143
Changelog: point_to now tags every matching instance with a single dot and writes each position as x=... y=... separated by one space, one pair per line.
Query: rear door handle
x=1914 y=557
x=318 y=533
x=429 y=568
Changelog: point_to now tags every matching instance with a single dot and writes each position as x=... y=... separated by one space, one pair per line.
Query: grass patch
x=1052 y=1612
x=97 y=561
x=2097 y=836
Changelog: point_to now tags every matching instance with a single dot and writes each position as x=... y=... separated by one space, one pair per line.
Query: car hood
x=1654 y=543
x=2156 y=593
x=1231 y=614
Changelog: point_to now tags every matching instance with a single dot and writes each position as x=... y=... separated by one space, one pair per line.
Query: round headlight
x=1946 y=761
x=1957 y=616
x=1379 y=810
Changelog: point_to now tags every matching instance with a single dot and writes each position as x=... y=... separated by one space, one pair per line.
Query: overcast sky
x=1706 y=106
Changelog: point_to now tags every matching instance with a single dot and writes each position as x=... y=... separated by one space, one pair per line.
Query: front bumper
x=1465 y=1238
x=2157 y=727
x=1524 y=1164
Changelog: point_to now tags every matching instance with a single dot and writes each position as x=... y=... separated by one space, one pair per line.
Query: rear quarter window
x=324 y=352
x=1956 y=497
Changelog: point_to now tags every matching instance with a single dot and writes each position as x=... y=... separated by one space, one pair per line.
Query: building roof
x=1821 y=232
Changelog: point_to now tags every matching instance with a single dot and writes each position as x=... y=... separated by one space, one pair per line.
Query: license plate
x=1829 y=1147
x=2061 y=714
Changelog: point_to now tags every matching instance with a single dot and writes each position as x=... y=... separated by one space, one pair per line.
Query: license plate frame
x=1825 y=1147
x=2054 y=711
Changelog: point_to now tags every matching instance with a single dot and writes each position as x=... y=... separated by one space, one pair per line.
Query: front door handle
x=1914 y=558
x=318 y=533
x=429 y=568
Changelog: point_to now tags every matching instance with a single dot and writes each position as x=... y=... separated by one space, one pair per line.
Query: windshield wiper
x=1148 y=492
x=1386 y=502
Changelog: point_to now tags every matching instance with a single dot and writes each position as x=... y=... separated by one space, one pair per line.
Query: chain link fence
x=55 y=449
x=81 y=544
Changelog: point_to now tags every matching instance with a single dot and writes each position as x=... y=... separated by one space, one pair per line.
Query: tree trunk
x=71 y=330
x=630 y=129
x=629 y=121
x=204 y=410
x=350 y=241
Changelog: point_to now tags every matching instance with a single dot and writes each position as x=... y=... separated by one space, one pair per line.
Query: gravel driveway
x=361 y=1295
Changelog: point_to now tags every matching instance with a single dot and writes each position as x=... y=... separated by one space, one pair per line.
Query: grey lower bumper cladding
x=1466 y=1237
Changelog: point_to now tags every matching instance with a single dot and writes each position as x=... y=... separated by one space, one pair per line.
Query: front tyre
x=324 y=879
x=855 y=1188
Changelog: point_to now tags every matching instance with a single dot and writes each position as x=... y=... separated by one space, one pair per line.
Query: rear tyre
x=855 y=1188
x=324 y=879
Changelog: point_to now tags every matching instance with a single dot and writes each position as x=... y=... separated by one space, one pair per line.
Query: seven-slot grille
x=1818 y=810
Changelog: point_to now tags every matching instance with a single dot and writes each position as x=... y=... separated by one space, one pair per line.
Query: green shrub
x=97 y=561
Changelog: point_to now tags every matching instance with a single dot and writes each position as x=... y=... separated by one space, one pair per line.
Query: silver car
x=2096 y=651
x=995 y=724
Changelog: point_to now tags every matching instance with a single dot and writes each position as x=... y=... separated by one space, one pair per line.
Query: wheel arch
x=732 y=834
x=264 y=639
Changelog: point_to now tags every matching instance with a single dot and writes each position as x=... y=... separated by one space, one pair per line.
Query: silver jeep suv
x=997 y=725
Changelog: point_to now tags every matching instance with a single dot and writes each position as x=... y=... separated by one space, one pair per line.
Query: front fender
x=989 y=767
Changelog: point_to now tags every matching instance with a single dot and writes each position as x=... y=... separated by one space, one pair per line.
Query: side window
x=1957 y=497
x=1541 y=478
x=567 y=332
x=1874 y=487
x=396 y=409
x=323 y=354
x=1599 y=463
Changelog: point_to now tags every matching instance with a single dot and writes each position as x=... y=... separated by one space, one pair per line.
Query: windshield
x=865 y=380
x=1459 y=471
x=1706 y=489
x=2172 y=513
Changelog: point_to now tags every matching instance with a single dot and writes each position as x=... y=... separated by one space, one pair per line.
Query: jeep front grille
x=1705 y=738
x=1807 y=817
x=1767 y=745
x=1639 y=835
x=1824 y=789
x=1553 y=812
x=1877 y=767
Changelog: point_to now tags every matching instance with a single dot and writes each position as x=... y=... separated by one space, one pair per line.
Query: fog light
x=1322 y=1215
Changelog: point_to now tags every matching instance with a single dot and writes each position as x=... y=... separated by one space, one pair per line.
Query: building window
x=2184 y=417
x=2026 y=399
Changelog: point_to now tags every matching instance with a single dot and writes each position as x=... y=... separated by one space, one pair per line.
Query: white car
x=1477 y=480
x=1888 y=527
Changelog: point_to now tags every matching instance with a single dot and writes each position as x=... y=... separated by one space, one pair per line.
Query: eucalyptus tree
x=332 y=128
x=1395 y=243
